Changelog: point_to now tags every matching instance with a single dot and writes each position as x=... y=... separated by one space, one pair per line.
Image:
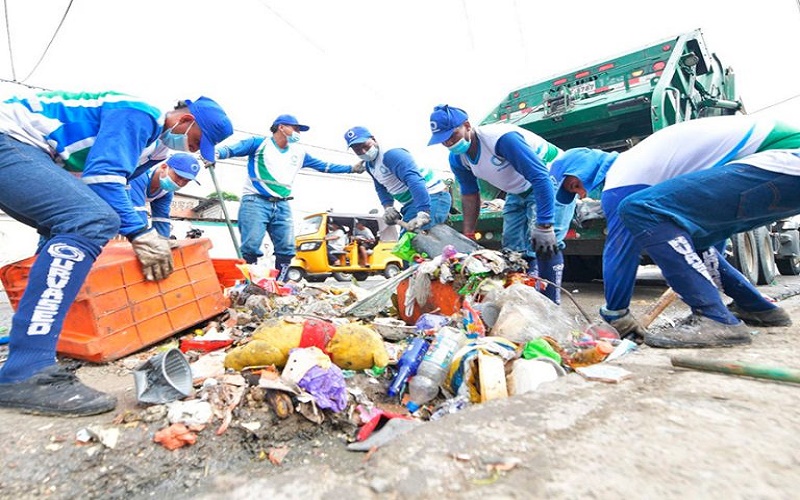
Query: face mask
x=176 y=142
x=459 y=148
x=292 y=138
x=370 y=154
x=167 y=184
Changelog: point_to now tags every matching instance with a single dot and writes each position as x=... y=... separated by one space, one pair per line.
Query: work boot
x=770 y=317
x=699 y=331
x=55 y=391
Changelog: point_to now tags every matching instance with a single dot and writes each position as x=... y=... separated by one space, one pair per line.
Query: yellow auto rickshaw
x=315 y=261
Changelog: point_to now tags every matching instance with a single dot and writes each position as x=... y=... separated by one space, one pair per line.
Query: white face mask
x=370 y=154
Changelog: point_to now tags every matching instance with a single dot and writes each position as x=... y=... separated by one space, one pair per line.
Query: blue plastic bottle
x=407 y=365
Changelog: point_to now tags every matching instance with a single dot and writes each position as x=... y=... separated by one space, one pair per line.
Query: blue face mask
x=176 y=142
x=167 y=184
x=294 y=137
x=459 y=148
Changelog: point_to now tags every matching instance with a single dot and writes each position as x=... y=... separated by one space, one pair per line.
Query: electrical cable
x=8 y=36
x=50 y=43
x=775 y=103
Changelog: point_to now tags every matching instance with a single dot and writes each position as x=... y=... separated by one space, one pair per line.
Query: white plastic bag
x=526 y=314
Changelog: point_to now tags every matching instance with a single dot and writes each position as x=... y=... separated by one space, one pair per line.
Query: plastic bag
x=526 y=314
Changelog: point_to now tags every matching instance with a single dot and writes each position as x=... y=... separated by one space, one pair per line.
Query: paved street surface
x=664 y=433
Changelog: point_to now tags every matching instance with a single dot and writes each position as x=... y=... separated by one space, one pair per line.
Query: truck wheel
x=767 y=270
x=391 y=270
x=361 y=275
x=295 y=274
x=745 y=255
x=788 y=267
x=343 y=276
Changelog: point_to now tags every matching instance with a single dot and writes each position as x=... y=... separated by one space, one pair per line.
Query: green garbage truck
x=612 y=104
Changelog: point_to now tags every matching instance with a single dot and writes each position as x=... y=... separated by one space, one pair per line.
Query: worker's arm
x=524 y=160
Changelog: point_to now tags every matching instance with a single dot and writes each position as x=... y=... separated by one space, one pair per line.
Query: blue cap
x=213 y=122
x=289 y=120
x=412 y=406
x=444 y=120
x=356 y=135
x=185 y=165
x=588 y=165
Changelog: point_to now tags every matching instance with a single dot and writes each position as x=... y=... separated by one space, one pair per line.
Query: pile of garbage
x=452 y=330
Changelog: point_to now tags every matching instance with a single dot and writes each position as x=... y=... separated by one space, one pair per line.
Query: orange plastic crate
x=117 y=312
x=227 y=272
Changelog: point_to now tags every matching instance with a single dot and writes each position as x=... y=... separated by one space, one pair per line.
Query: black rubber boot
x=57 y=392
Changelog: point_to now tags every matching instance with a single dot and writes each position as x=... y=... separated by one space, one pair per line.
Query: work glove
x=154 y=255
x=624 y=322
x=543 y=240
x=419 y=221
x=391 y=216
x=358 y=168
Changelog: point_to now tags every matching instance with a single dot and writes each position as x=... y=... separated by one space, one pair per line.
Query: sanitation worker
x=423 y=197
x=74 y=153
x=678 y=195
x=516 y=161
x=156 y=188
x=272 y=165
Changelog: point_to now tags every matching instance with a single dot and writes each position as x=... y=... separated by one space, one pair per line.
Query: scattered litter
x=175 y=436
x=108 y=437
x=604 y=373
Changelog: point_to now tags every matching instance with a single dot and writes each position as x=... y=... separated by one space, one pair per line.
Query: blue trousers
x=519 y=215
x=75 y=224
x=712 y=205
x=675 y=218
x=259 y=216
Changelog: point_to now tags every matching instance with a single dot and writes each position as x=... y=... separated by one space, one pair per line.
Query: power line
x=8 y=36
x=17 y=82
x=46 y=49
x=295 y=28
x=776 y=103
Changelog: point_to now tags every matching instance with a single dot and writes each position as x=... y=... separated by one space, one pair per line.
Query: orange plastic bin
x=117 y=312
x=443 y=299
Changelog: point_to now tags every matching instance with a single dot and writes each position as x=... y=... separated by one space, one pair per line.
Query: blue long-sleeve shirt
x=397 y=176
x=160 y=202
x=99 y=135
x=513 y=160
x=272 y=169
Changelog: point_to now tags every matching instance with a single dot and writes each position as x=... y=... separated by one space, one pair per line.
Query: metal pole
x=224 y=210
x=778 y=373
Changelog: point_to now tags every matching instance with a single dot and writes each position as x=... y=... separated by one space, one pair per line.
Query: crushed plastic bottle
x=432 y=371
x=450 y=406
x=591 y=355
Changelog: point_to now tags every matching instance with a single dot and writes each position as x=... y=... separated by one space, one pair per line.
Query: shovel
x=224 y=209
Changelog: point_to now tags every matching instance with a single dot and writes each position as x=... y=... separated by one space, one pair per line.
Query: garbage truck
x=612 y=104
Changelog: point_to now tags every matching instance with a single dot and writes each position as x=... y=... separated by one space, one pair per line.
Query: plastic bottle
x=424 y=386
x=407 y=365
x=592 y=355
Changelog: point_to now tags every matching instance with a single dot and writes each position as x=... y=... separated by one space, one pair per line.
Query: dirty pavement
x=306 y=390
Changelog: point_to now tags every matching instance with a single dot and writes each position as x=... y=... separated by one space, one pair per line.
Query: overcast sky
x=384 y=65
